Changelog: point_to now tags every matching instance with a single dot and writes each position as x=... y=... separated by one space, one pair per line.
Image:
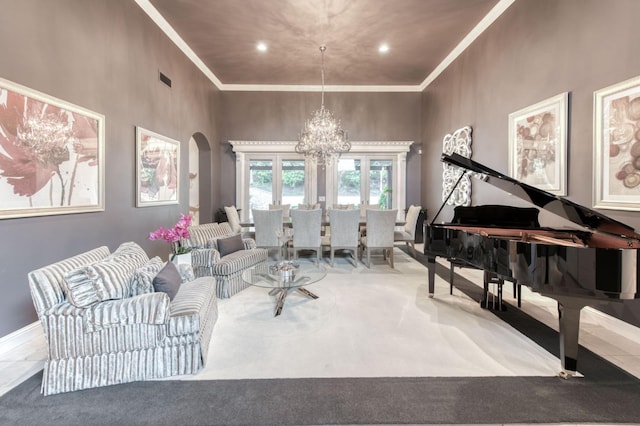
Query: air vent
x=166 y=80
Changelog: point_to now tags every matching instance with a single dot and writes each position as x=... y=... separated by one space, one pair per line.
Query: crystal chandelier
x=322 y=136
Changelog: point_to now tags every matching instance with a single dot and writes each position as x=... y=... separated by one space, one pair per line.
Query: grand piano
x=592 y=263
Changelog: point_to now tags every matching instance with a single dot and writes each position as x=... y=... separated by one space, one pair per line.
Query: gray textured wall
x=535 y=50
x=104 y=56
x=280 y=116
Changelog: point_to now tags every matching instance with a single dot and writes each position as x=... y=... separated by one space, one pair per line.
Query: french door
x=364 y=180
x=274 y=179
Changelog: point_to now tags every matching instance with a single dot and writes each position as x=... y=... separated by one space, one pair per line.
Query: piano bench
x=492 y=279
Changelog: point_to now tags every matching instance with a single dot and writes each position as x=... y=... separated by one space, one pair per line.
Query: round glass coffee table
x=284 y=277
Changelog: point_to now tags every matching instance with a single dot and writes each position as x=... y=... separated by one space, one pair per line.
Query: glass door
x=365 y=179
x=275 y=179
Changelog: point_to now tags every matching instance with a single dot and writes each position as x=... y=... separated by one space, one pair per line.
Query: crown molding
x=490 y=17
x=162 y=23
x=289 y=146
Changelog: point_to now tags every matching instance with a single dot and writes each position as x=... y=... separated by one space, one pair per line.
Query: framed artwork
x=51 y=155
x=616 y=136
x=158 y=169
x=538 y=144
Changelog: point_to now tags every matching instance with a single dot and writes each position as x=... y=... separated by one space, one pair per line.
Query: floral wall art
x=51 y=155
x=537 y=144
x=617 y=146
x=158 y=169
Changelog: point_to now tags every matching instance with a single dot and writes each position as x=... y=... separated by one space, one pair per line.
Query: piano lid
x=555 y=204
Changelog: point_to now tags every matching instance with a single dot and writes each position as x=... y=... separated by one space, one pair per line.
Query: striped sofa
x=110 y=327
x=227 y=270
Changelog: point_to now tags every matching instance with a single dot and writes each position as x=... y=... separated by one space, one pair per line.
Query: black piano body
x=577 y=267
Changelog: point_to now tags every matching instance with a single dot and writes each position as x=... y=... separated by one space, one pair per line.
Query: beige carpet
x=368 y=323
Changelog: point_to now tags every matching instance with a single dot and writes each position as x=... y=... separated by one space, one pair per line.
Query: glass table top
x=285 y=274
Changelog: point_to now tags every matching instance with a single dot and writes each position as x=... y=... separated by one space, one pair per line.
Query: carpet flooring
x=606 y=395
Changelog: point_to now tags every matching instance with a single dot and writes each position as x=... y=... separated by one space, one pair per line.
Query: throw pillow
x=230 y=245
x=142 y=279
x=168 y=280
x=110 y=278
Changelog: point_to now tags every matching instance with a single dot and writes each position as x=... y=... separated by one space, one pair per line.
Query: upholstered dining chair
x=345 y=233
x=308 y=206
x=284 y=207
x=233 y=218
x=380 y=228
x=306 y=231
x=408 y=233
x=267 y=223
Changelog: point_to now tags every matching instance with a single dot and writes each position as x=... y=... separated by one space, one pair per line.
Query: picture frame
x=52 y=158
x=617 y=146
x=538 y=144
x=157 y=169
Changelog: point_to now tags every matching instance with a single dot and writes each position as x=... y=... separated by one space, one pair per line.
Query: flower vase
x=183 y=265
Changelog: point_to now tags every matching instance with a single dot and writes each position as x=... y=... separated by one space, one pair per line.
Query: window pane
x=348 y=181
x=260 y=184
x=380 y=183
x=293 y=182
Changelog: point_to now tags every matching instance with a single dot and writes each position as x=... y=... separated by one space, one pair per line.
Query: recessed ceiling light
x=261 y=46
x=384 y=48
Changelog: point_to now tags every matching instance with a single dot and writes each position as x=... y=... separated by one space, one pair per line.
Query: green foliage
x=293 y=178
x=385 y=198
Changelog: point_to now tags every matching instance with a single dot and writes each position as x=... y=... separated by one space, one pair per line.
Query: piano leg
x=431 y=266
x=569 y=317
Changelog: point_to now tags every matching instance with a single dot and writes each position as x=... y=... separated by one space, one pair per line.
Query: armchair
x=207 y=259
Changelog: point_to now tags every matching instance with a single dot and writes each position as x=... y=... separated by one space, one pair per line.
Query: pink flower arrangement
x=175 y=236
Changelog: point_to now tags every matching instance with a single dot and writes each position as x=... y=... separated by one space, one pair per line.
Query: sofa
x=105 y=324
x=211 y=257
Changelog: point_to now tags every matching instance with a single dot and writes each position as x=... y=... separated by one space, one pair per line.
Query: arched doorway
x=200 y=203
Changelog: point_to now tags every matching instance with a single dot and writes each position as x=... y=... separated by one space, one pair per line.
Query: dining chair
x=345 y=233
x=308 y=206
x=343 y=206
x=306 y=231
x=380 y=228
x=233 y=218
x=408 y=233
x=268 y=225
x=284 y=207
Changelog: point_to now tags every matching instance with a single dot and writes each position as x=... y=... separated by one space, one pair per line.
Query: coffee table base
x=281 y=295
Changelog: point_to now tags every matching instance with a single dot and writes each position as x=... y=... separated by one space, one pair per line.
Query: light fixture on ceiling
x=383 y=48
x=322 y=137
x=261 y=46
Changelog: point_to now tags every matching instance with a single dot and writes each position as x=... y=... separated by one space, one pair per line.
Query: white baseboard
x=24 y=335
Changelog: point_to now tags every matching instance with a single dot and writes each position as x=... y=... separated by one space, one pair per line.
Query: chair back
x=411 y=220
x=284 y=207
x=308 y=206
x=380 y=227
x=364 y=207
x=343 y=206
x=345 y=227
x=267 y=222
x=306 y=227
x=233 y=218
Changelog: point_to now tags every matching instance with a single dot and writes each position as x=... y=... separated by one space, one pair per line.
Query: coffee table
x=281 y=285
